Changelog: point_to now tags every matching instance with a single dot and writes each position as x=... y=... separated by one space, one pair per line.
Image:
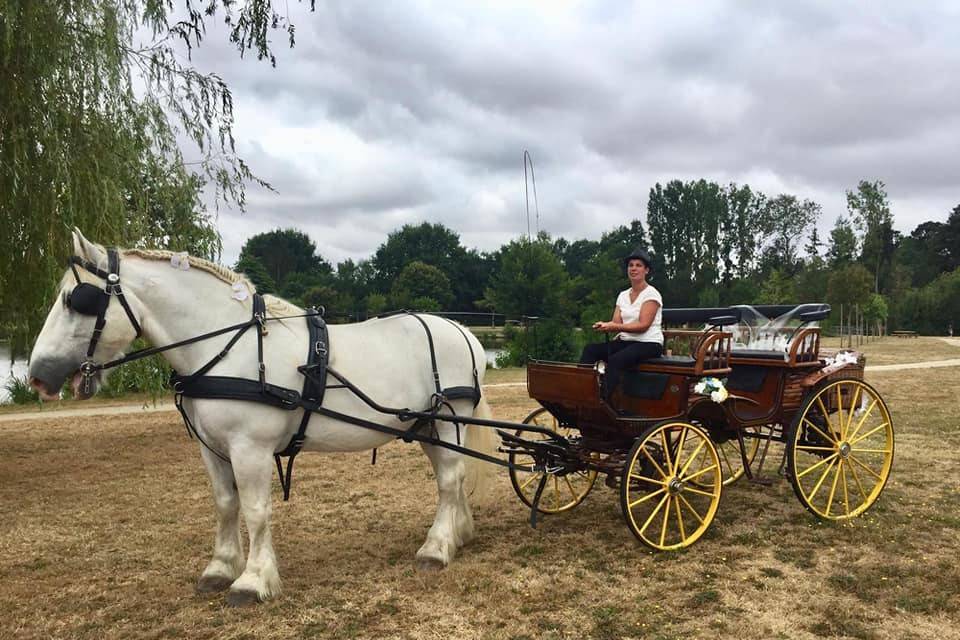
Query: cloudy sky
x=388 y=113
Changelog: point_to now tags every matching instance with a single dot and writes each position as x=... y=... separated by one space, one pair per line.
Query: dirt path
x=167 y=406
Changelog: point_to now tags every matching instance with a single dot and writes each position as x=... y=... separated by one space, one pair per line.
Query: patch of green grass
x=608 y=623
x=705 y=597
x=802 y=558
x=528 y=551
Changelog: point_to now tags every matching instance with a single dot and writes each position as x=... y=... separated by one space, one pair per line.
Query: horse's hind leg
x=260 y=580
x=227 y=562
x=453 y=524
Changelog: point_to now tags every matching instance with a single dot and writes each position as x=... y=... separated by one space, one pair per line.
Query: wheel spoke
x=817 y=429
x=853 y=471
x=846 y=495
x=806 y=448
x=666 y=452
x=884 y=451
x=666 y=519
x=690 y=507
x=853 y=409
x=652 y=515
x=863 y=419
x=840 y=409
x=833 y=487
x=700 y=472
x=826 y=415
x=816 y=489
x=698 y=492
x=530 y=480
x=700 y=446
x=573 y=492
x=869 y=433
x=556 y=492
x=634 y=476
x=811 y=468
x=655 y=463
x=631 y=505
x=683 y=533
x=868 y=469
x=723 y=454
x=676 y=458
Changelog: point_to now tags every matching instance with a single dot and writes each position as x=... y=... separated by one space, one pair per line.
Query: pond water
x=8 y=371
x=492 y=356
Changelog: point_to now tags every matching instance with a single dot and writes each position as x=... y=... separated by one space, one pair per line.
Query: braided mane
x=275 y=305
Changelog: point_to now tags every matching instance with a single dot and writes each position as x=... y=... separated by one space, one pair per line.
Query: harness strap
x=433 y=354
x=314 y=387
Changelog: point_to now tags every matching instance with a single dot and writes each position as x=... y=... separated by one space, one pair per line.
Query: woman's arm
x=648 y=311
x=616 y=320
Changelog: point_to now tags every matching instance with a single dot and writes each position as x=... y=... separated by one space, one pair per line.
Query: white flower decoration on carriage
x=240 y=291
x=844 y=357
x=713 y=387
x=180 y=261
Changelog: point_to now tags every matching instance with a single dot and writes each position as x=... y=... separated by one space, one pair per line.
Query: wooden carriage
x=669 y=450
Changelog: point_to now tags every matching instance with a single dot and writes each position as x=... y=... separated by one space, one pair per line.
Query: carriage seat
x=773 y=356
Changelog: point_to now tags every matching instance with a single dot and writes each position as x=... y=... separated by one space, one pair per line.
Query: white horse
x=387 y=358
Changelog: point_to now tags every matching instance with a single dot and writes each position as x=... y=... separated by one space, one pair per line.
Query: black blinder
x=87 y=299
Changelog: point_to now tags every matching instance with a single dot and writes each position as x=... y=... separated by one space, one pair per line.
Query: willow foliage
x=89 y=130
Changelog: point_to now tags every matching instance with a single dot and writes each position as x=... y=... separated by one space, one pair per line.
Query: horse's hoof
x=213 y=584
x=430 y=565
x=242 y=598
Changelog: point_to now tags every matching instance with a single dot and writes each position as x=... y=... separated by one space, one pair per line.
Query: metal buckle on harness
x=88 y=369
x=320 y=348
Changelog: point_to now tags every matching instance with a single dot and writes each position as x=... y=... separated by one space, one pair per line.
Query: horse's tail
x=480 y=474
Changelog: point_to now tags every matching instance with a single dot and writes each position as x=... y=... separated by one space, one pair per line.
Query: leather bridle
x=90 y=300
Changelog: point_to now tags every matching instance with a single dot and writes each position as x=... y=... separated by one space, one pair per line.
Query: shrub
x=548 y=340
x=20 y=391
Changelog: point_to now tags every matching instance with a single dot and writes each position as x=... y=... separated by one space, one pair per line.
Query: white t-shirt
x=630 y=312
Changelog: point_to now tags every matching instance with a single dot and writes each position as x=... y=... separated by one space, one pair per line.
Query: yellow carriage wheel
x=561 y=492
x=840 y=449
x=668 y=494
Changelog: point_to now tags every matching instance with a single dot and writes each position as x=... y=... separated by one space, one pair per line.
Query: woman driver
x=636 y=321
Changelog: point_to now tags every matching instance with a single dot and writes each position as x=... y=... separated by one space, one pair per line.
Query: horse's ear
x=85 y=249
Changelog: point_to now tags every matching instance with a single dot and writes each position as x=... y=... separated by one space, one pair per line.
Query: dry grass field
x=107 y=521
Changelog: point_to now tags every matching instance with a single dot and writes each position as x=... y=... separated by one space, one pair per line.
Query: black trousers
x=619 y=355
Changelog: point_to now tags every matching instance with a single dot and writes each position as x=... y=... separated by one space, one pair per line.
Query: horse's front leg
x=260 y=580
x=227 y=562
x=453 y=525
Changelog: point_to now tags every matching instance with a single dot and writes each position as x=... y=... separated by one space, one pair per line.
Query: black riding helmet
x=638 y=253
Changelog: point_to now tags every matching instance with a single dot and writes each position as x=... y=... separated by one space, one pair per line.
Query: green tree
x=745 y=230
x=875 y=311
x=90 y=125
x=843 y=243
x=251 y=267
x=787 y=218
x=870 y=211
x=777 y=288
x=419 y=281
x=529 y=281
x=438 y=246
x=849 y=285
x=284 y=252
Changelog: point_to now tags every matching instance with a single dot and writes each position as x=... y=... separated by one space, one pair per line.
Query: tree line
x=712 y=245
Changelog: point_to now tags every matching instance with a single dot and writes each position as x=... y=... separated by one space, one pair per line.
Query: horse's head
x=88 y=323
